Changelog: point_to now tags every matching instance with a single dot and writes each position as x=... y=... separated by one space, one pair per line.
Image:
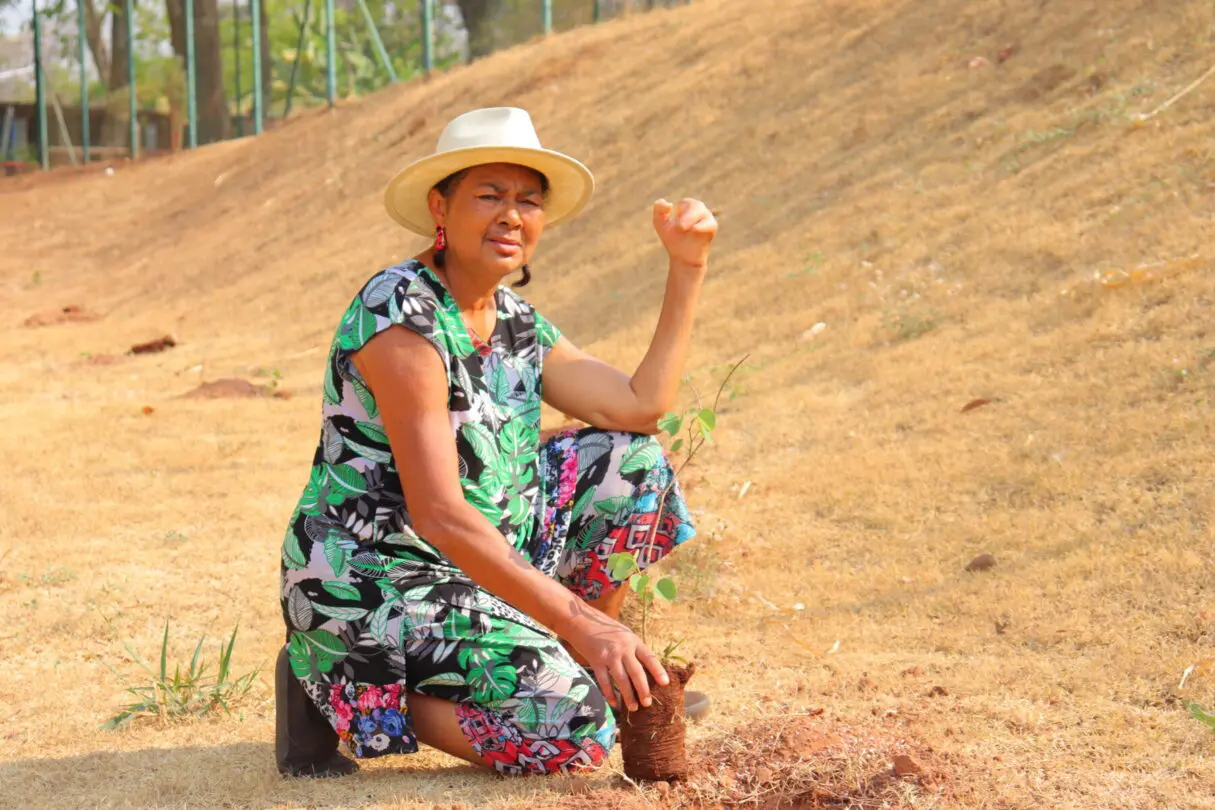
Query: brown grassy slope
x=945 y=222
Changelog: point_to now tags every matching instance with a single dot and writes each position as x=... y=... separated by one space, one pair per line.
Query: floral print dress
x=373 y=611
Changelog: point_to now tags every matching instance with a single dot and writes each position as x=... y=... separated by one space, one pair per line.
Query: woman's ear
x=437 y=204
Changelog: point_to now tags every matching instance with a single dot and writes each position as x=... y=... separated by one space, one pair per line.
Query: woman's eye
x=532 y=203
x=489 y=197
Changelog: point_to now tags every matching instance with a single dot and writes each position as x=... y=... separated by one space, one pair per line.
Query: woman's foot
x=334 y=766
x=304 y=742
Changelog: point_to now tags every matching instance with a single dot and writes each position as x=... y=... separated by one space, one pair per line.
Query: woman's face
x=493 y=216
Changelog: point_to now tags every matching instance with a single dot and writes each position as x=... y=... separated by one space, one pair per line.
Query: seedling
x=692 y=429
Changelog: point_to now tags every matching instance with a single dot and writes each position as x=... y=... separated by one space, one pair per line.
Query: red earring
x=440 y=238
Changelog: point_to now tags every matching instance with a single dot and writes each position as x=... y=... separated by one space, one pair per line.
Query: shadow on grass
x=241 y=775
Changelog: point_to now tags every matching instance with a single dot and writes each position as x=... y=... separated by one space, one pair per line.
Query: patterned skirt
x=418 y=624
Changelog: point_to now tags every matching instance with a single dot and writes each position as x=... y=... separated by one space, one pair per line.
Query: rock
x=663 y=788
x=912 y=671
x=938 y=691
x=764 y=775
x=1005 y=53
x=154 y=346
x=979 y=62
x=984 y=562
x=906 y=766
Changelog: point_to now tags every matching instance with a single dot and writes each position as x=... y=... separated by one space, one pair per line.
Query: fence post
x=132 y=107
x=378 y=43
x=546 y=12
x=428 y=37
x=84 y=81
x=240 y=113
x=597 y=13
x=330 y=53
x=44 y=157
x=259 y=112
x=191 y=75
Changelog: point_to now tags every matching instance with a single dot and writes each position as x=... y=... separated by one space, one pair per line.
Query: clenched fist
x=686 y=230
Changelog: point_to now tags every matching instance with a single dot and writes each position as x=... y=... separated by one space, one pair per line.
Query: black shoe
x=695 y=705
x=304 y=742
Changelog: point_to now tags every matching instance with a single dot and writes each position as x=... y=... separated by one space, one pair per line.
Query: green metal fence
x=525 y=18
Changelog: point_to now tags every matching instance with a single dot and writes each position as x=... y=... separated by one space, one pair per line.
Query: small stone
x=906 y=766
x=663 y=788
x=938 y=691
x=984 y=562
x=978 y=62
x=764 y=775
x=912 y=671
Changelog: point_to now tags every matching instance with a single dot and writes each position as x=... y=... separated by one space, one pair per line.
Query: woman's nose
x=510 y=215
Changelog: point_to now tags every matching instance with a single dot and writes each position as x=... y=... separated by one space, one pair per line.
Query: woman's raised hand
x=686 y=230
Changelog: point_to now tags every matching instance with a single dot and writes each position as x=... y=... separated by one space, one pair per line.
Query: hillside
x=960 y=191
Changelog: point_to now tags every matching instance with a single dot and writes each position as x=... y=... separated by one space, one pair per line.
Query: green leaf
x=670 y=423
x=676 y=445
x=342 y=614
x=666 y=589
x=640 y=583
x=337 y=555
x=366 y=398
x=378 y=626
x=444 y=679
x=707 y=418
x=314 y=648
x=482 y=443
x=370 y=453
x=582 y=503
x=622 y=565
x=492 y=685
x=610 y=507
x=342 y=590
x=332 y=395
x=643 y=454
x=293 y=555
x=372 y=432
x=344 y=482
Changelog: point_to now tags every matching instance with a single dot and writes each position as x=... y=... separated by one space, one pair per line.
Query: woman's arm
x=409 y=382
x=591 y=390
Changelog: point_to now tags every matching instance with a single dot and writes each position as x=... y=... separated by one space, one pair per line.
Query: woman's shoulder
x=391 y=285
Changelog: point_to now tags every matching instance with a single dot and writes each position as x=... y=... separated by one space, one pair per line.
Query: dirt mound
x=72 y=313
x=807 y=761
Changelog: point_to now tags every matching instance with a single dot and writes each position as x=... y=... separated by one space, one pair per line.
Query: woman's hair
x=447 y=185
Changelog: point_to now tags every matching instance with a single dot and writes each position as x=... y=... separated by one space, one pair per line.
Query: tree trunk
x=480 y=17
x=92 y=35
x=214 y=122
x=114 y=128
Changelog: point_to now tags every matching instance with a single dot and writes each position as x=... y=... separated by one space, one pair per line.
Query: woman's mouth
x=506 y=247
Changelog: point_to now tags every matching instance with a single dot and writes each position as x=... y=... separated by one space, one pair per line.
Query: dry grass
x=946 y=223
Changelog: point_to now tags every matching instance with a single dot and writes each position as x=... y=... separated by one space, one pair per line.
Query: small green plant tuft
x=187 y=695
x=1198 y=713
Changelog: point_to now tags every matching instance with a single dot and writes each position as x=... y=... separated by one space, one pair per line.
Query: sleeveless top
x=353 y=510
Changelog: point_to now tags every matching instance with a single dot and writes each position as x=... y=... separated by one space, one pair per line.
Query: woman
x=408 y=617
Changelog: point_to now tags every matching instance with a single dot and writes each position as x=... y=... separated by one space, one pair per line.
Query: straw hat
x=490 y=135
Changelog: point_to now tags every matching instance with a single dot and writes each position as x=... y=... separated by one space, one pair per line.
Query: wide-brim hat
x=490 y=135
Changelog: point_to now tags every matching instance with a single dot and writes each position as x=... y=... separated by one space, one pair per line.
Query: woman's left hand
x=686 y=230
